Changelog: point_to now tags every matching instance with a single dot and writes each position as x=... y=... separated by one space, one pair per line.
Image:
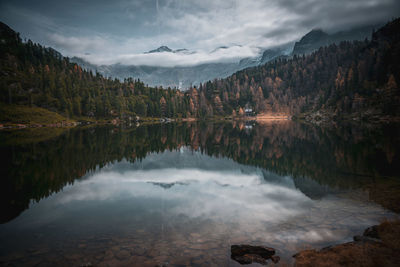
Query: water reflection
x=183 y=193
x=217 y=189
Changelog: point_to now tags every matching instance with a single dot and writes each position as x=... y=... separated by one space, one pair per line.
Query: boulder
x=372 y=232
x=359 y=238
x=247 y=254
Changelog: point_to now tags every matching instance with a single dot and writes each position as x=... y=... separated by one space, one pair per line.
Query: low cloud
x=183 y=185
x=76 y=45
x=168 y=59
x=216 y=195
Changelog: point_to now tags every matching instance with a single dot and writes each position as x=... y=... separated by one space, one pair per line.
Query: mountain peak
x=314 y=35
x=162 y=48
x=318 y=38
x=311 y=41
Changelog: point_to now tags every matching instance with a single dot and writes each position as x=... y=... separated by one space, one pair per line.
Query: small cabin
x=248 y=110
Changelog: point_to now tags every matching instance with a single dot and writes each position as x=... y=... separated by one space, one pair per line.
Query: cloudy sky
x=106 y=32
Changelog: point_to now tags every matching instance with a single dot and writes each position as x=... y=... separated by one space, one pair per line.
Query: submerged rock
x=359 y=238
x=275 y=259
x=247 y=254
x=372 y=232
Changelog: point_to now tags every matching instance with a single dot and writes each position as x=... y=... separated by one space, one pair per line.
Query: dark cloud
x=342 y=14
x=114 y=31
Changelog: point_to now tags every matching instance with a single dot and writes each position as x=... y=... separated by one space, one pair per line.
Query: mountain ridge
x=183 y=77
x=347 y=81
x=317 y=38
x=165 y=48
x=352 y=80
x=162 y=48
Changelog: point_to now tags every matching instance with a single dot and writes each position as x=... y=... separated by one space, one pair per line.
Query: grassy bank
x=29 y=135
x=14 y=115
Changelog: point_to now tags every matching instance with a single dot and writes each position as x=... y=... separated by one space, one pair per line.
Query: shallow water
x=182 y=194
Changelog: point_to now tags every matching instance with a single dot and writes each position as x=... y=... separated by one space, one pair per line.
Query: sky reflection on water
x=257 y=205
x=187 y=199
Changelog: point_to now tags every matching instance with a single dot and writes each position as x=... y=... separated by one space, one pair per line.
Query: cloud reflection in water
x=218 y=191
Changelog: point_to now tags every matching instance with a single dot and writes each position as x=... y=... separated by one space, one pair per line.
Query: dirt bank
x=378 y=246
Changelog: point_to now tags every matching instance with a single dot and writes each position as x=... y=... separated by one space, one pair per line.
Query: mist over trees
x=346 y=78
x=358 y=77
x=38 y=76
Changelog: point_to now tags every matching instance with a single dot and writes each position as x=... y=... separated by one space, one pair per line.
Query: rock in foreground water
x=247 y=254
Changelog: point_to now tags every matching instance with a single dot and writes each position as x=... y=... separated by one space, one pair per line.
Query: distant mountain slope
x=318 y=38
x=36 y=76
x=164 y=48
x=357 y=80
x=185 y=77
x=310 y=42
x=182 y=77
x=161 y=49
x=175 y=77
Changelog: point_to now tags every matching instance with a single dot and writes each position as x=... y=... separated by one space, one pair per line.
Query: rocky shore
x=378 y=246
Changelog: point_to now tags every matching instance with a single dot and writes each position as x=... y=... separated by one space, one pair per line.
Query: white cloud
x=76 y=45
x=215 y=198
x=167 y=59
x=199 y=193
x=199 y=26
x=139 y=26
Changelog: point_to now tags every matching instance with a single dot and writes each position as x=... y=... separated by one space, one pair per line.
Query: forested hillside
x=353 y=79
x=358 y=78
x=33 y=75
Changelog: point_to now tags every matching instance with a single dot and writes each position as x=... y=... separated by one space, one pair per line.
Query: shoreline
x=261 y=118
x=379 y=245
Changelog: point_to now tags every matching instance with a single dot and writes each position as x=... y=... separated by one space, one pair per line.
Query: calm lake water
x=182 y=194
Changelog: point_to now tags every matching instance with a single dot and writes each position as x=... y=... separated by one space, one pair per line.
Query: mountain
x=352 y=80
x=183 y=77
x=160 y=49
x=274 y=53
x=180 y=77
x=317 y=38
x=164 y=48
x=310 y=42
x=32 y=75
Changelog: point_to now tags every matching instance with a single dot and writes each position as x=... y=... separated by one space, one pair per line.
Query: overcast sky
x=111 y=31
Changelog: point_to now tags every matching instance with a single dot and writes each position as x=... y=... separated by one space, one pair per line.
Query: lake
x=180 y=194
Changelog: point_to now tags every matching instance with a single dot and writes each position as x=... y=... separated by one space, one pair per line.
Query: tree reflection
x=39 y=162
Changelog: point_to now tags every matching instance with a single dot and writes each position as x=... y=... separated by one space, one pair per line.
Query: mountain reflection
x=231 y=193
x=286 y=156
